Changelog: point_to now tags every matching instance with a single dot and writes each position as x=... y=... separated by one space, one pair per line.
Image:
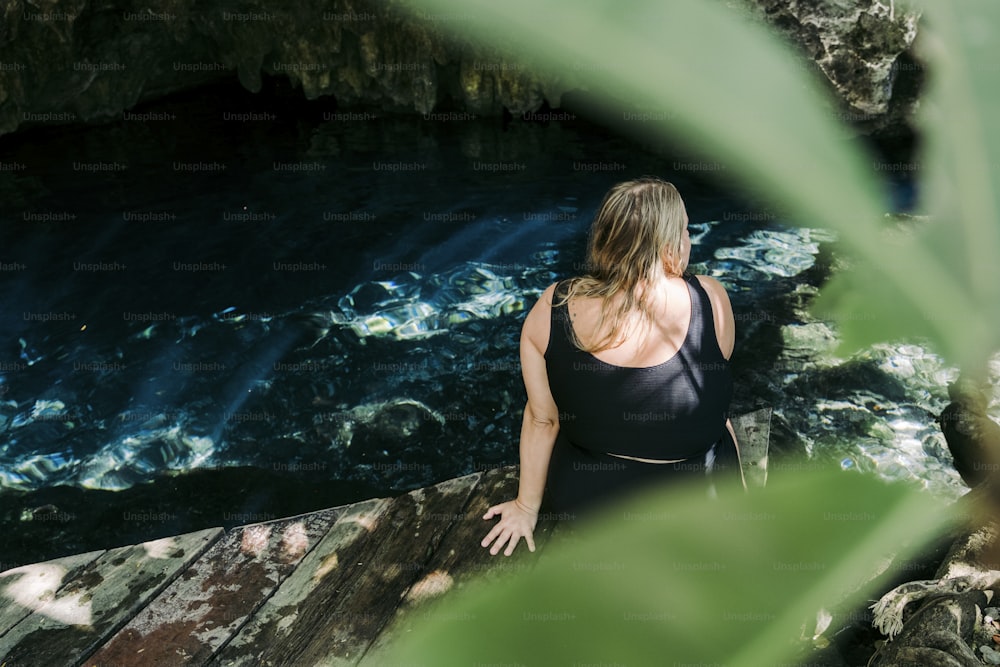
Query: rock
x=862 y=47
x=990 y=656
x=69 y=61
x=947 y=629
x=973 y=438
x=83 y=60
x=938 y=635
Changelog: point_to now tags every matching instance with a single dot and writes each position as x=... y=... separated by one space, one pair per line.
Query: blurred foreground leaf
x=951 y=266
x=723 y=85
x=673 y=578
x=731 y=89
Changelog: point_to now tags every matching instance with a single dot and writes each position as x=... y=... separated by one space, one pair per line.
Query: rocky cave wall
x=72 y=61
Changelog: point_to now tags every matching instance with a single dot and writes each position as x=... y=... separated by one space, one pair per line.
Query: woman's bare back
x=639 y=345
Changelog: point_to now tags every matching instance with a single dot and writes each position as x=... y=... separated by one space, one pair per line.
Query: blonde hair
x=636 y=236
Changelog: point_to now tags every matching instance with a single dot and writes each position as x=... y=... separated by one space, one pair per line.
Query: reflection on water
x=874 y=411
x=775 y=252
x=383 y=382
x=396 y=363
x=410 y=307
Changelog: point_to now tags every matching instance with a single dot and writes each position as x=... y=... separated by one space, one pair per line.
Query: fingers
x=513 y=543
x=509 y=537
x=490 y=536
x=499 y=545
x=508 y=531
x=503 y=539
x=505 y=535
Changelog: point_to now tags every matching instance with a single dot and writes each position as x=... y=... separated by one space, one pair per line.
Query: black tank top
x=674 y=410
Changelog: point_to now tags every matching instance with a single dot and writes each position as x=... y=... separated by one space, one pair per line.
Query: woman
x=626 y=369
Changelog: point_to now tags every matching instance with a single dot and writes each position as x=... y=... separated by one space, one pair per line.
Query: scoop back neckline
x=675 y=355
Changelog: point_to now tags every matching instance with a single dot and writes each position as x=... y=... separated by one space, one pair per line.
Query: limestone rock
x=862 y=47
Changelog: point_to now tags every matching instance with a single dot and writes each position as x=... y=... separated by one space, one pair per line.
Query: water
x=340 y=307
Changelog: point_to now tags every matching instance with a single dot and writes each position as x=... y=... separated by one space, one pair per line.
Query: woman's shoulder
x=537 y=323
x=556 y=294
x=722 y=312
x=549 y=293
x=543 y=306
x=716 y=291
x=711 y=285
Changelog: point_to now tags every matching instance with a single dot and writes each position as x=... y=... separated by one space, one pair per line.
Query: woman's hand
x=516 y=521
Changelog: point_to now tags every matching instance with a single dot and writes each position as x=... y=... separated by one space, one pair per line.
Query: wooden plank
x=208 y=603
x=460 y=559
x=337 y=551
x=26 y=589
x=95 y=603
x=753 y=433
x=460 y=555
x=331 y=617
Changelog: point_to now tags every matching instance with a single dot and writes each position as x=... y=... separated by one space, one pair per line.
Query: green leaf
x=959 y=118
x=720 y=83
x=673 y=578
x=950 y=269
x=728 y=87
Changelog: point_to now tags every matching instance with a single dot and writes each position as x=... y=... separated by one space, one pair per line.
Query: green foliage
x=732 y=91
x=672 y=578
x=943 y=282
x=731 y=582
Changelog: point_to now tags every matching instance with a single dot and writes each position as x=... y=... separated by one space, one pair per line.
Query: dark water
x=209 y=321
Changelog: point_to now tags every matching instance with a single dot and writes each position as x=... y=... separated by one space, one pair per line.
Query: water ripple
x=416 y=377
x=784 y=253
x=411 y=306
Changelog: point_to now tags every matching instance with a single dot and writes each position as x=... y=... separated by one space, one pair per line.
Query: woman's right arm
x=725 y=332
x=539 y=429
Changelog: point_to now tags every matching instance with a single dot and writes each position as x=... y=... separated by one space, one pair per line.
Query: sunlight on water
x=401 y=378
x=407 y=307
x=411 y=306
x=775 y=252
x=883 y=419
x=136 y=458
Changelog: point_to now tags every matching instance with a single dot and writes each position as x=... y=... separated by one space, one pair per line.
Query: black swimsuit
x=673 y=410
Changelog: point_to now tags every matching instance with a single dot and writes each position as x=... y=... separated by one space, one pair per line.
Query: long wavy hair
x=636 y=237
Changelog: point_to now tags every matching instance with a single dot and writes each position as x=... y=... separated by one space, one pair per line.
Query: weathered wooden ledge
x=326 y=588
x=318 y=588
